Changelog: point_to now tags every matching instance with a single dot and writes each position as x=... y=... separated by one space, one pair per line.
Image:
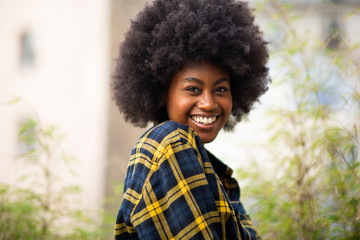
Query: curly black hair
x=170 y=34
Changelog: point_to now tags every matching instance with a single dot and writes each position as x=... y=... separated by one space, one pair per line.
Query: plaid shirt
x=175 y=189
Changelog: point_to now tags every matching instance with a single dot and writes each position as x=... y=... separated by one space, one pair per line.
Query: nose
x=207 y=102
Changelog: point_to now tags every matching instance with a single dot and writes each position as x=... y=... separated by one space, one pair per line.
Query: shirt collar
x=220 y=168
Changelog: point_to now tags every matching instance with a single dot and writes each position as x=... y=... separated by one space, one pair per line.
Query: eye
x=193 y=89
x=222 y=89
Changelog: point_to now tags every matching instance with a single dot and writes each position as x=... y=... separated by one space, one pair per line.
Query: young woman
x=192 y=67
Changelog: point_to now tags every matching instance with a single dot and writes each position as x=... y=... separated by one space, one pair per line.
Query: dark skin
x=200 y=97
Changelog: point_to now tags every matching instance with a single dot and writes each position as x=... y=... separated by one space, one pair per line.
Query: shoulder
x=164 y=136
x=169 y=132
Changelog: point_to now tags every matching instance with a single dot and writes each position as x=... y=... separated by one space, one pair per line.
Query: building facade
x=58 y=56
x=55 y=57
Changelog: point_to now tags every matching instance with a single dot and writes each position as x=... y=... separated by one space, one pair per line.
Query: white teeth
x=204 y=120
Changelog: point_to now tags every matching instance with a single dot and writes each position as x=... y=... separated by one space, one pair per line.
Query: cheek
x=178 y=109
x=174 y=107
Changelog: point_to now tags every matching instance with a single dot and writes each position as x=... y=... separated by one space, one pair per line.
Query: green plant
x=313 y=190
x=44 y=207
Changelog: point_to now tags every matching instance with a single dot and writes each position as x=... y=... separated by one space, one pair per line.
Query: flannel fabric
x=175 y=189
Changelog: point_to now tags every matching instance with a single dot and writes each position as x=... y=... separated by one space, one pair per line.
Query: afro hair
x=170 y=34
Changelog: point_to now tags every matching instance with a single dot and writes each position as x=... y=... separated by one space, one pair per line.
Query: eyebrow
x=192 y=79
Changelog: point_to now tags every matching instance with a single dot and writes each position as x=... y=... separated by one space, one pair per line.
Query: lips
x=204 y=120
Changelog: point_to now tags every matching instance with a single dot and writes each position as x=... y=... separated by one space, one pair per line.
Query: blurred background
x=64 y=146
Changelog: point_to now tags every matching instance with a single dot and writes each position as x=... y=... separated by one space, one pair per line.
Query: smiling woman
x=192 y=67
x=199 y=96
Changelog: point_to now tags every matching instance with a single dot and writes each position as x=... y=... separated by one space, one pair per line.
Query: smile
x=204 y=120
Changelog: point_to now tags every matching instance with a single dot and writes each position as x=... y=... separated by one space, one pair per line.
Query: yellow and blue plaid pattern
x=175 y=189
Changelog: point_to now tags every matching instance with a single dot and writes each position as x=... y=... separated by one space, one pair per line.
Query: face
x=199 y=96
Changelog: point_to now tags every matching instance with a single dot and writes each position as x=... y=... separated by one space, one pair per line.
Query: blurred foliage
x=312 y=190
x=44 y=207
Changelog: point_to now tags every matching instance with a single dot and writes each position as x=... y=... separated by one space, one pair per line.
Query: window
x=27 y=57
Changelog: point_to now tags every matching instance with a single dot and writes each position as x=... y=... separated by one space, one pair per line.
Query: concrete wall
x=122 y=136
x=66 y=83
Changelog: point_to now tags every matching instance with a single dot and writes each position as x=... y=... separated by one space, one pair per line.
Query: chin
x=206 y=139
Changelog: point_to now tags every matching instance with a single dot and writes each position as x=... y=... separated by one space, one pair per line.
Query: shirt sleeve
x=173 y=193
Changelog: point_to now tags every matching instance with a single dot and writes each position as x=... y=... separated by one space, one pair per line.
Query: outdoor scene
x=64 y=146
